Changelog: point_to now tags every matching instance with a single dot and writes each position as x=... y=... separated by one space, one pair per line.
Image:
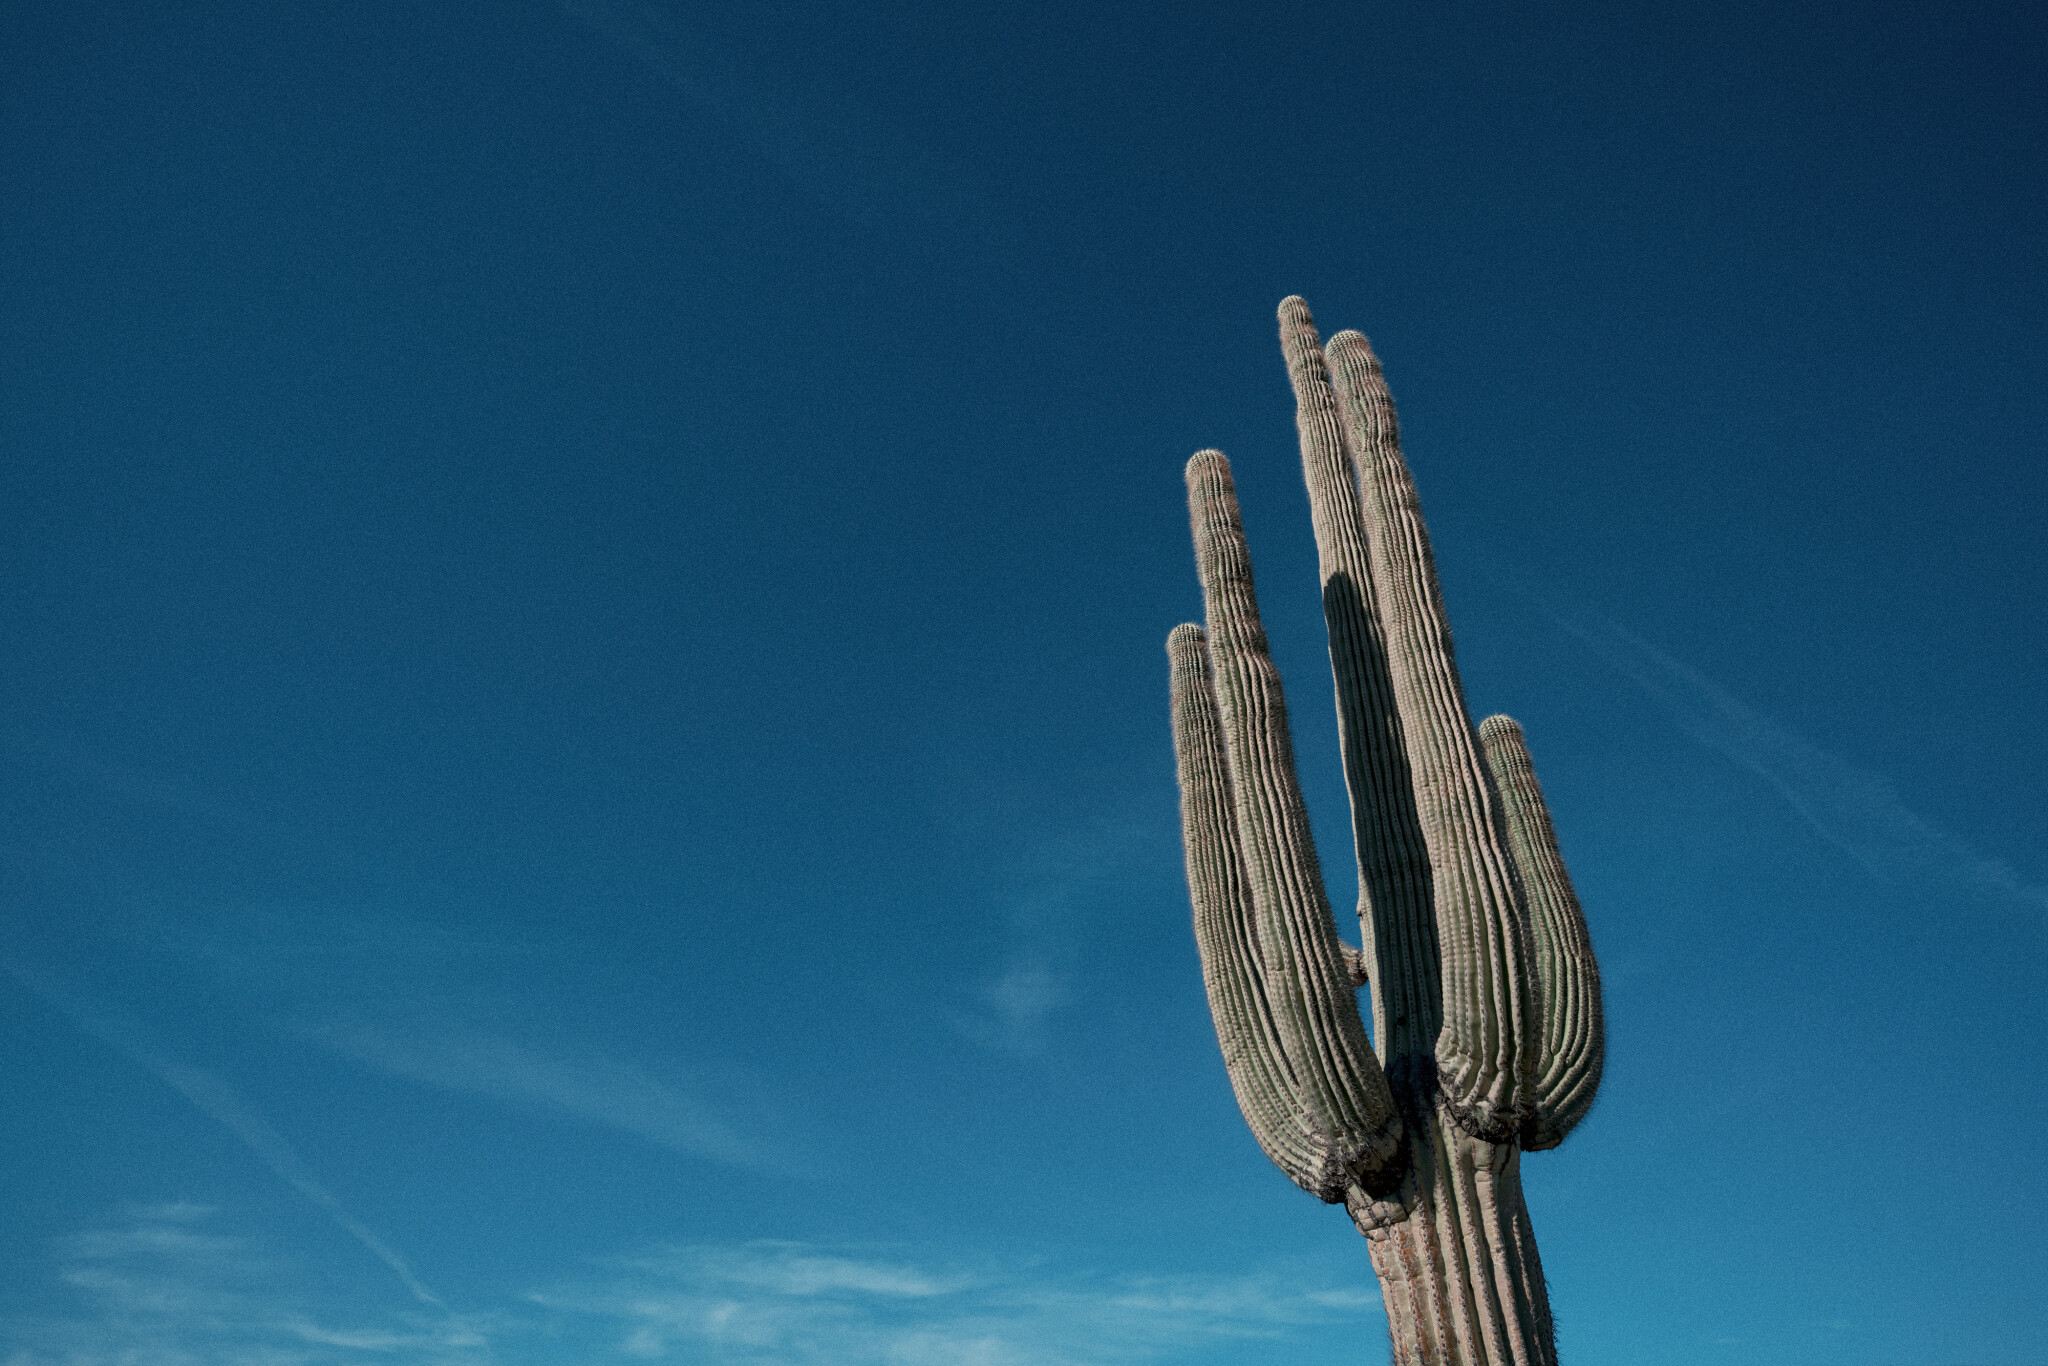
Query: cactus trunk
x=1459 y=1275
x=1484 y=995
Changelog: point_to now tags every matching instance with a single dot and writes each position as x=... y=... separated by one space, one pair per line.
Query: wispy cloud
x=221 y=1102
x=169 y=799
x=668 y=1112
x=1858 y=812
x=1012 y=1009
x=173 y=1285
x=130 y=783
x=179 y=1284
x=413 y=999
x=797 y=1305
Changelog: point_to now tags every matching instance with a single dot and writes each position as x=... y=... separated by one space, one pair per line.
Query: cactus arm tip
x=1205 y=463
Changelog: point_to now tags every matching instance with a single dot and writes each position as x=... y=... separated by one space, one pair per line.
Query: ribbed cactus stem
x=1395 y=909
x=1489 y=1033
x=1485 y=995
x=1338 y=1082
x=1568 y=978
x=1225 y=931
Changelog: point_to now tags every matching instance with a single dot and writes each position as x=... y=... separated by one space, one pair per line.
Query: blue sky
x=587 y=773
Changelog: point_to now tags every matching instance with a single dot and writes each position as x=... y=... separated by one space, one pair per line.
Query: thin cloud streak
x=174 y=1285
x=843 y=156
x=129 y=783
x=1857 y=812
x=421 y=1023
x=221 y=1103
x=170 y=1286
x=800 y=1305
x=614 y=1094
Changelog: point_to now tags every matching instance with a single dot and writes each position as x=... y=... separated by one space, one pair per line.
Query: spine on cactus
x=1489 y=1036
x=1336 y=1084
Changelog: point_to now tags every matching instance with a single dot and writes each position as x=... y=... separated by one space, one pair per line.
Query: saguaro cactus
x=1487 y=1039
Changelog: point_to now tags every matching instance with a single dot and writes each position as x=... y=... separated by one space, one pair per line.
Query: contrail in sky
x=618 y=1095
x=1859 y=813
x=972 y=231
x=841 y=154
x=222 y=1103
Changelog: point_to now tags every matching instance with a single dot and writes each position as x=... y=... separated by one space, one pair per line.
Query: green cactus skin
x=1484 y=993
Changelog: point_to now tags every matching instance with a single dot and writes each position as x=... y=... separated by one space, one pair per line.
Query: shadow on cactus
x=1485 y=997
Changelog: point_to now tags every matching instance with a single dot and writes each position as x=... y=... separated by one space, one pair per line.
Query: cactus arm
x=1396 y=914
x=1338 y=1082
x=1224 y=929
x=1489 y=1033
x=1567 y=975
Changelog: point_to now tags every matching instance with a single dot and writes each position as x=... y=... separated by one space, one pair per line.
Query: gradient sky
x=586 y=753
